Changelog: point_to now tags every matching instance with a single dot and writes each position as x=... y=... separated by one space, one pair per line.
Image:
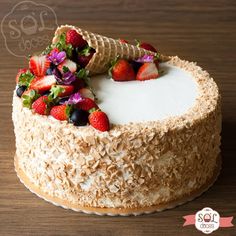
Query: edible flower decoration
x=146 y=58
x=56 y=57
x=67 y=77
x=74 y=99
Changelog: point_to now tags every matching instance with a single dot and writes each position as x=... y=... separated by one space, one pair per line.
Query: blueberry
x=136 y=65
x=79 y=117
x=20 y=90
x=49 y=71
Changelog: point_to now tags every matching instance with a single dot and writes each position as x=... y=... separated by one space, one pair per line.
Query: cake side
x=135 y=165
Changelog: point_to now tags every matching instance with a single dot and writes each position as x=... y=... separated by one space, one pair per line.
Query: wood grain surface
x=202 y=31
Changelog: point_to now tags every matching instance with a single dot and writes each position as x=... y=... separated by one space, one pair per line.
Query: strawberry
x=38 y=65
x=147 y=46
x=122 y=71
x=53 y=50
x=123 y=41
x=59 y=112
x=75 y=39
x=40 y=105
x=84 y=58
x=27 y=92
x=42 y=84
x=21 y=71
x=147 y=71
x=99 y=120
x=86 y=93
x=79 y=84
x=61 y=90
x=86 y=104
x=69 y=64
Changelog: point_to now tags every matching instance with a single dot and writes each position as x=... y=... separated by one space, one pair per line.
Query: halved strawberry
x=38 y=65
x=59 y=112
x=20 y=71
x=147 y=71
x=87 y=104
x=69 y=64
x=40 y=105
x=42 y=84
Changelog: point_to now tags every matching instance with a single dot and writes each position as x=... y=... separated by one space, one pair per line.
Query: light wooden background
x=202 y=31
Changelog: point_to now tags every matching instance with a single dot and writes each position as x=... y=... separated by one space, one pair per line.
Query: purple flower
x=56 y=57
x=74 y=99
x=68 y=77
x=64 y=78
x=145 y=58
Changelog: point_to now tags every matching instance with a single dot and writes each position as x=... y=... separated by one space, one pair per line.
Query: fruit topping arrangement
x=144 y=68
x=57 y=84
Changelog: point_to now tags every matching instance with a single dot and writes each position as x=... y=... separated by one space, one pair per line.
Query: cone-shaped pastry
x=106 y=49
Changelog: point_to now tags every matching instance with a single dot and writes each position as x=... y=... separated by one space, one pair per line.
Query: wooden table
x=202 y=31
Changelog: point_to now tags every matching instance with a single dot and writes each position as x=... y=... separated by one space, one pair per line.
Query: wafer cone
x=107 y=49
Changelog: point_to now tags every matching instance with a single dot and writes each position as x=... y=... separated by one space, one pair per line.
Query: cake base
x=116 y=211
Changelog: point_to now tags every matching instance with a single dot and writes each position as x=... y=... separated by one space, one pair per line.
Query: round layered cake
x=161 y=151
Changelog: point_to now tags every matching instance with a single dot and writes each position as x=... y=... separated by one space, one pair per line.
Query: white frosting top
x=137 y=101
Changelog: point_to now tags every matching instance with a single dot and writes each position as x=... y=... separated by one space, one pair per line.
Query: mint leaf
x=54 y=92
x=82 y=74
x=26 y=78
x=63 y=46
x=85 y=51
x=65 y=69
x=29 y=98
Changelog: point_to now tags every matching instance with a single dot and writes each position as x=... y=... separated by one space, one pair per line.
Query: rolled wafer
x=107 y=49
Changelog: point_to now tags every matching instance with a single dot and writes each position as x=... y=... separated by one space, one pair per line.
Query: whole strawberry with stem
x=87 y=104
x=41 y=106
x=121 y=70
x=75 y=39
x=60 y=112
x=99 y=120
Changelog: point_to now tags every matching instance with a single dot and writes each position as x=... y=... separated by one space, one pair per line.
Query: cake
x=160 y=147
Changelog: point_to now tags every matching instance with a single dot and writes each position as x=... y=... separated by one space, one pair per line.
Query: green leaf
x=63 y=46
x=30 y=98
x=85 y=51
x=92 y=110
x=69 y=109
x=26 y=78
x=54 y=92
x=47 y=50
x=82 y=73
x=65 y=69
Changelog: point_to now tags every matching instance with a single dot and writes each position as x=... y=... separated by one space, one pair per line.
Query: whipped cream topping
x=139 y=101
